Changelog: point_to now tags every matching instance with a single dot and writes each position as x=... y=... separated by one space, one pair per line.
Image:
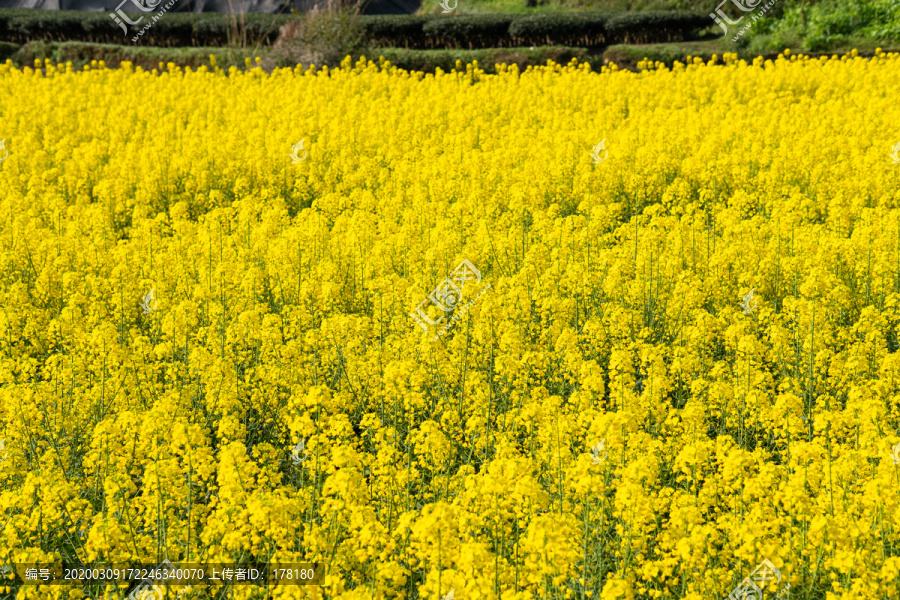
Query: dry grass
x=322 y=36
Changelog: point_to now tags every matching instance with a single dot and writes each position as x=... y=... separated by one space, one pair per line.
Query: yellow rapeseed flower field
x=547 y=334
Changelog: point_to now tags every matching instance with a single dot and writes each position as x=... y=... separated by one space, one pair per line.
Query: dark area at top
x=372 y=7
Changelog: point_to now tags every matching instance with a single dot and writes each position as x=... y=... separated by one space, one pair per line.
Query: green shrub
x=177 y=29
x=429 y=60
x=22 y=25
x=559 y=29
x=831 y=23
x=400 y=31
x=321 y=39
x=655 y=27
x=584 y=29
x=470 y=31
x=146 y=57
x=7 y=49
x=173 y=29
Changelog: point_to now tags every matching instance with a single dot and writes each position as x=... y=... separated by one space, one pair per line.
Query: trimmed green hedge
x=654 y=27
x=583 y=29
x=470 y=31
x=81 y=53
x=21 y=25
x=560 y=29
x=397 y=31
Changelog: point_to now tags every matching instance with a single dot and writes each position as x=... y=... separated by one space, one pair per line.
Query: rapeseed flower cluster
x=618 y=417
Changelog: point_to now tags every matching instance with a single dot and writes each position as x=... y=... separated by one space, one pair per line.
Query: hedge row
x=583 y=29
x=586 y=29
x=562 y=29
x=81 y=53
x=654 y=27
x=171 y=29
